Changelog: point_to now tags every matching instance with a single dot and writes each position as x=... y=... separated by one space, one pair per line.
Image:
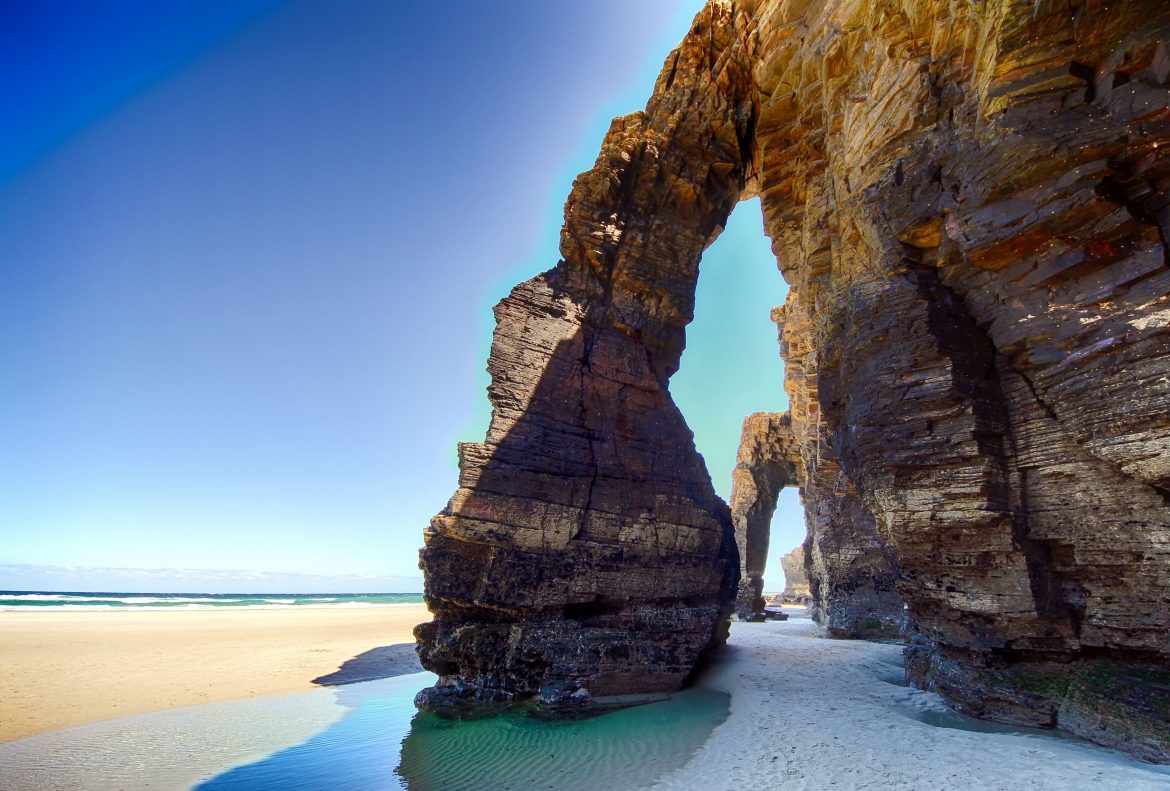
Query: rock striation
x=796 y=587
x=768 y=460
x=585 y=557
x=971 y=205
x=851 y=576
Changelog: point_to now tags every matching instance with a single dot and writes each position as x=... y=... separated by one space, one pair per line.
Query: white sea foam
x=185 y=607
x=157 y=600
x=66 y=597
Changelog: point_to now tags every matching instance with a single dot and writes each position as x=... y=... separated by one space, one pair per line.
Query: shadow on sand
x=385 y=661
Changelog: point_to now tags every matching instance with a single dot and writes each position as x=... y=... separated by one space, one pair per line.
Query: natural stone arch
x=968 y=202
x=851 y=578
x=767 y=462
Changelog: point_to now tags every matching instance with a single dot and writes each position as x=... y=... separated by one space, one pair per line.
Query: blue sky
x=249 y=254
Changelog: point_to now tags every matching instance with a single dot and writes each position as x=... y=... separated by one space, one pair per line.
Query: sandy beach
x=806 y=713
x=69 y=668
x=811 y=713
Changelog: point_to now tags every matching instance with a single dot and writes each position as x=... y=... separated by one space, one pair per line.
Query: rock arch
x=767 y=462
x=969 y=203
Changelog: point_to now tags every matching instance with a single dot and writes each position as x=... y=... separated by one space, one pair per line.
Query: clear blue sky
x=249 y=253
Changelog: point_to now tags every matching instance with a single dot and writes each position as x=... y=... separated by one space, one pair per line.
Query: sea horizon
x=14 y=600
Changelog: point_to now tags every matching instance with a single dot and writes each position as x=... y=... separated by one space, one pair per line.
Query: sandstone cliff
x=970 y=203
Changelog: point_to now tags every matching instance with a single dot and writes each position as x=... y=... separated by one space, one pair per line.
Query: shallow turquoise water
x=620 y=750
x=383 y=743
x=362 y=736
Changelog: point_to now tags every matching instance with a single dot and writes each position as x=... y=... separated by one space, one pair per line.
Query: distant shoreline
x=78 y=601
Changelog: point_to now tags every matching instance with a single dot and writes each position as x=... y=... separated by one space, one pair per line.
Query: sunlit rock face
x=796 y=589
x=970 y=204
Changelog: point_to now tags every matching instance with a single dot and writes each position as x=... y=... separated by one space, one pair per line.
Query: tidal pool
x=364 y=736
x=620 y=750
x=384 y=743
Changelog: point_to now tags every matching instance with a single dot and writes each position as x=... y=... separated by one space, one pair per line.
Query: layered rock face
x=851 y=577
x=970 y=202
x=585 y=556
x=796 y=588
x=768 y=460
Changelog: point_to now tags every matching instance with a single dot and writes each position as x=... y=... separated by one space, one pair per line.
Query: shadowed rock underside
x=970 y=203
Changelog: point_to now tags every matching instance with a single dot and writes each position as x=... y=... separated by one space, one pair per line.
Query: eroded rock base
x=865 y=613
x=1121 y=702
x=560 y=666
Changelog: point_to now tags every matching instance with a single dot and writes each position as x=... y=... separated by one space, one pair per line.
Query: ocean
x=109 y=600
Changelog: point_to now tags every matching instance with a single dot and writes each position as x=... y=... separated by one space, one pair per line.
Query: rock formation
x=851 y=585
x=586 y=556
x=970 y=203
x=768 y=460
x=796 y=589
x=851 y=576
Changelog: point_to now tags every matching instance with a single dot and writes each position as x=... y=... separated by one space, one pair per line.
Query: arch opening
x=787 y=578
x=730 y=376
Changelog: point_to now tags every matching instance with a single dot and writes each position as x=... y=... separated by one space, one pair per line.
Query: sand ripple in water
x=620 y=750
x=384 y=744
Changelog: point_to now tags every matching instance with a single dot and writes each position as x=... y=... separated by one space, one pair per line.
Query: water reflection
x=384 y=743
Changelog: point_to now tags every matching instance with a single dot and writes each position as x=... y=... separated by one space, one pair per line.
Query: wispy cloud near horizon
x=17 y=576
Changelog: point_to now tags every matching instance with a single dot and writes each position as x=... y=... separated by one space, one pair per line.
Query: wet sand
x=68 y=668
